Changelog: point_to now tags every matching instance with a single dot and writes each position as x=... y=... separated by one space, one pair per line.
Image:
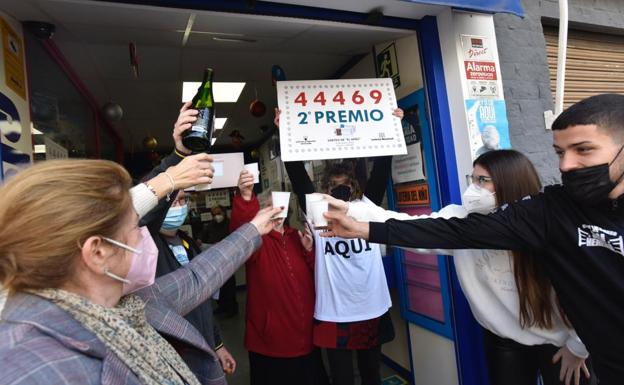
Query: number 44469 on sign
x=329 y=119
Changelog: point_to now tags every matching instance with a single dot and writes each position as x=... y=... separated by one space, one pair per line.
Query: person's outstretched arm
x=192 y=284
x=519 y=226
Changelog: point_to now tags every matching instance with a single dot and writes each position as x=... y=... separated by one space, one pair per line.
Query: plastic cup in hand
x=318 y=208
x=253 y=169
x=281 y=199
x=309 y=198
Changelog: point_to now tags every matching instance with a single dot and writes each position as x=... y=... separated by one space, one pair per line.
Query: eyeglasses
x=479 y=180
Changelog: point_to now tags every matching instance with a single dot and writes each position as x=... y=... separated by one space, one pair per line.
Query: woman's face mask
x=142 y=272
x=342 y=192
x=479 y=200
x=175 y=217
x=219 y=218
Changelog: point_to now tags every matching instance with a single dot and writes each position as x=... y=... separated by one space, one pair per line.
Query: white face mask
x=219 y=218
x=479 y=200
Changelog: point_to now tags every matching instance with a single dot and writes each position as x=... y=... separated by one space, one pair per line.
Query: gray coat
x=43 y=344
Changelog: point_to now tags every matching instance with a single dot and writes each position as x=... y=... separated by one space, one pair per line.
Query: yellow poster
x=13 y=54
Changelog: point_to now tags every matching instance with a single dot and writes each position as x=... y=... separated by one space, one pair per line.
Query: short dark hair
x=606 y=111
x=512 y=173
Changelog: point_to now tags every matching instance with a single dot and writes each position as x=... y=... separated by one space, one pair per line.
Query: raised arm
x=160 y=182
x=297 y=174
x=300 y=180
x=378 y=180
x=245 y=204
x=190 y=171
x=382 y=166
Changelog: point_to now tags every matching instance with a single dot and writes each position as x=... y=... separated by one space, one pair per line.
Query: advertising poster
x=218 y=198
x=488 y=128
x=410 y=167
x=13 y=54
x=335 y=119
x=479 y=66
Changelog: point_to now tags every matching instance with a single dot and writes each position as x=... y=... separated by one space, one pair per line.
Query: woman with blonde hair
x=83 y=306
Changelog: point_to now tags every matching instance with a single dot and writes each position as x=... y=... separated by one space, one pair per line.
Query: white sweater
x=487 y=279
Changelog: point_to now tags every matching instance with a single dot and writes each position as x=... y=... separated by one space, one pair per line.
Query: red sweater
x=280 y=290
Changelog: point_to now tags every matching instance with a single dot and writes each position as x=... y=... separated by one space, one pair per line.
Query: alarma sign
x=331 y=119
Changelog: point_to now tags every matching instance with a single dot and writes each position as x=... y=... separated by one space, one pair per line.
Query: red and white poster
x=480 y=68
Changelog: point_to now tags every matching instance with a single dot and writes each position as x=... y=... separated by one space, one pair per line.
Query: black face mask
x=342 y=192
x=590 y=186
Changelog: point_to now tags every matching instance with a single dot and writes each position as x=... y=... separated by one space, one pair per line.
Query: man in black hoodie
x=575 y=228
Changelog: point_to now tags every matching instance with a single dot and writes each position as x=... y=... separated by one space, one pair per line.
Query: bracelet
x=180 y=154
x=172 y=185
x=151 y=188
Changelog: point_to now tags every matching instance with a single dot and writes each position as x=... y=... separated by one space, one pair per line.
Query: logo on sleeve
x=594 y=236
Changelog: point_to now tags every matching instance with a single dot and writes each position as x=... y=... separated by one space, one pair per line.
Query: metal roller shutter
x=595 y=64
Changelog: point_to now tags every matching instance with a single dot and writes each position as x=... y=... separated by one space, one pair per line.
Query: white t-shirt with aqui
x=350 y=280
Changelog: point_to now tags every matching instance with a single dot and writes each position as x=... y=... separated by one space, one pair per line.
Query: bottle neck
x=207 y=82
x=204 y=93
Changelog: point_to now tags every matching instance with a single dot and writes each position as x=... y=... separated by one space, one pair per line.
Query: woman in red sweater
x=280 y=300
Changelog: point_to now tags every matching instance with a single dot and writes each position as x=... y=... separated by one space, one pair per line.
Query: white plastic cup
x=309 y=198
x=253 y=169
x=281 y=198
x=318 y=208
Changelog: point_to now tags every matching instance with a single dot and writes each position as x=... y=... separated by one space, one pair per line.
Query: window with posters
x=422 y=278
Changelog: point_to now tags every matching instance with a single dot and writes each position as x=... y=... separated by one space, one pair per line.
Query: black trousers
x=304 y=370
x=511 y=363
x=368 y=362
x=227 y=296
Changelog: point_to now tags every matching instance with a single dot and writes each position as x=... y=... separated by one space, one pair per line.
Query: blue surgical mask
x=175 y=217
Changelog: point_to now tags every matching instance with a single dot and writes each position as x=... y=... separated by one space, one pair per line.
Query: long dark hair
x=514 y=177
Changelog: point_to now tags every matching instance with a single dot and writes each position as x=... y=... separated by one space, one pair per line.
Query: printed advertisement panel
x=335 y=119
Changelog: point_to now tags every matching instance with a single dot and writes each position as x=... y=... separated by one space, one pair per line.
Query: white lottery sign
x=334 y=119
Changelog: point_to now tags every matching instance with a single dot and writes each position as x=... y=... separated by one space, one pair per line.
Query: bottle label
x=201 y=124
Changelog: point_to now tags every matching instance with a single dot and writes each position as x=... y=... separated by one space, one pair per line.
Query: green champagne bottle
x=198 y=138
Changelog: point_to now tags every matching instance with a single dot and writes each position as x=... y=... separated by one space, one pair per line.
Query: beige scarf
x=125 y=331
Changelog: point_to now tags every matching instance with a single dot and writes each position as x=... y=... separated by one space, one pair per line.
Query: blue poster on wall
x=488 y=128
x=11 y=131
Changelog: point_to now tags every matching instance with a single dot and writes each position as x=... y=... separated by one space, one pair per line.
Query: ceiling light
x=34 y=131
x=213 y=141
x=219 y=123
x=233 y=39
x=224 y=92
x=211 y=33
x=40 y=148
